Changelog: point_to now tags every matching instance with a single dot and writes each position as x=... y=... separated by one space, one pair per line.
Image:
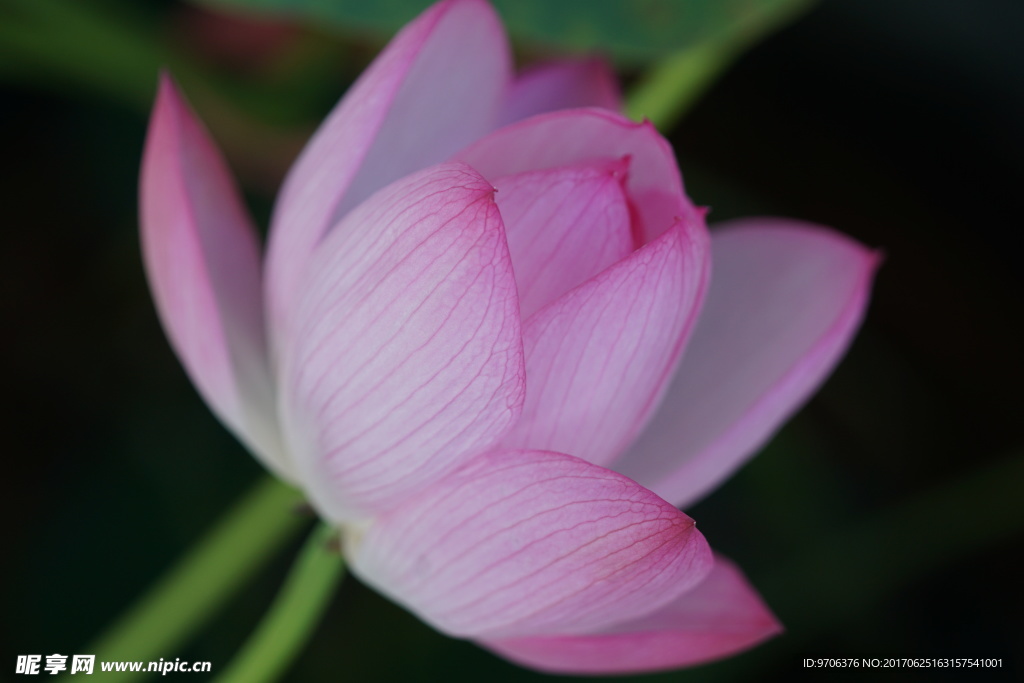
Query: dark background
x=885 y=520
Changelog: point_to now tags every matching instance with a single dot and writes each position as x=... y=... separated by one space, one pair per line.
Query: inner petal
x=564 y=225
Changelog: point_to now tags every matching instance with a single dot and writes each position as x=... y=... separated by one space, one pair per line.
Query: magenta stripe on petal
x=407 y=353
x=527 y=542
x=577 y=136
x=203 y=263
x=564 y=226
x=407 y=111
x=599 y=358
x=722 y=616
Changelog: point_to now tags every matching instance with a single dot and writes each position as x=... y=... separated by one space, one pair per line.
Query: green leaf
x=633 y=32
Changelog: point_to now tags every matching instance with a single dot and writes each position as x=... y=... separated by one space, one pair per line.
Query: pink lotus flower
x=465 y=343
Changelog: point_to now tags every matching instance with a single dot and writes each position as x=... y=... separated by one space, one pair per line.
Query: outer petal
x=519 y=543
x=722 y=616
x=406 y=112
x=599 y=359
x=785 y=300
x=564 y=226
x=203 y=263
x=568 y=84
x=586 y=135
x=408 y=354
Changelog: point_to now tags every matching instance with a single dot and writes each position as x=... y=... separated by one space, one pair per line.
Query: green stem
x=296 y=611
x=213 y=570
x=665 y=94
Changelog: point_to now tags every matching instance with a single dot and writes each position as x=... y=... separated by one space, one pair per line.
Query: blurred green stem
x=668 y=91
x=296 y=611
x=205 y=578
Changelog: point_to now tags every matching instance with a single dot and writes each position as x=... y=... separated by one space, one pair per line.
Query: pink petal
x=599 y=359
x=587 y=135
x=203 y=263
x=437 y=86
x=785 y=300
x=407 y=358
x=564 y=226
x=519 y=543
x=722 y=616
x=568 y=84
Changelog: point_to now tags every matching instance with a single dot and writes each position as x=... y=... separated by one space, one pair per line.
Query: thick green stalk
x=295 y=613
x=202 y=581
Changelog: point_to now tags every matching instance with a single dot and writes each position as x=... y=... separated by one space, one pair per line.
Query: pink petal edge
x=785 y=300
x=599 y=358
x=407 y=358
x=721 y=617
x=202 y=259
x=564 y=226
x=519 y=543
x=406 y=112
x=566 y=84
x=576 y=136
